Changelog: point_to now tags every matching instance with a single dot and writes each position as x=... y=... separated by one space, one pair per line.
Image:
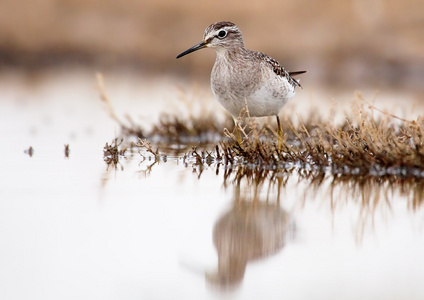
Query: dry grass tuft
x=361 y=145
x=194 y=130
x=366 y=159
x=112 y=153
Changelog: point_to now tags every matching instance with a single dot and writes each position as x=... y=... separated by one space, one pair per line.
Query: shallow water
x=77 y=228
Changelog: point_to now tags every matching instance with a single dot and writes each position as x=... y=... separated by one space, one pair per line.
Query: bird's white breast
x=256 y=84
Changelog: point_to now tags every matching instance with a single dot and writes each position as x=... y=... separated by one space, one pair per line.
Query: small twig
x=147 y=145
x=106 y=100
x=372 y=107
x=303 y=125
x=230 y=135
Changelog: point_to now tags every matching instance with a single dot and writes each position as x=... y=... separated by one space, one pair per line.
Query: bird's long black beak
x=199 y=46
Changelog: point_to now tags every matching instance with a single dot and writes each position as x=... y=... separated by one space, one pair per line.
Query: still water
x=77 y=228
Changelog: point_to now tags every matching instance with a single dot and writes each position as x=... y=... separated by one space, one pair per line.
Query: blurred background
x=72 y=225
x=375 y=44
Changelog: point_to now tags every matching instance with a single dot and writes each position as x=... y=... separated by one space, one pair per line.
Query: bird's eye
x=222 y=34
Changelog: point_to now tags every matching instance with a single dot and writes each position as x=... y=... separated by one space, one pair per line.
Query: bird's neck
x=232 y=54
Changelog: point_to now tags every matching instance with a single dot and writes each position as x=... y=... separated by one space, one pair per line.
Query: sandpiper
x=241 y=76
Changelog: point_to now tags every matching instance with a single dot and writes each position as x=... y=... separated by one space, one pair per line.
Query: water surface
x=77 y=228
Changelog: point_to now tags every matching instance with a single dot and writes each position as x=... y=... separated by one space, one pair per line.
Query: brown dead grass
x=369 y=142
x=362 y=145
x=369 y=157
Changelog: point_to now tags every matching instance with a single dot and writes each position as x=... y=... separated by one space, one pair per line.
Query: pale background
x=356 y=44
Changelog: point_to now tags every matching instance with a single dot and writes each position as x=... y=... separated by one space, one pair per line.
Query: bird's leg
x=238 y=131
x=279 y=130
x=279 y=133
x=239 y=138
x=236 y=135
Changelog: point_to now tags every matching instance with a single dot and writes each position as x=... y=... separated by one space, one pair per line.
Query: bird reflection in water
x=248 y=232
x=256 y=227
